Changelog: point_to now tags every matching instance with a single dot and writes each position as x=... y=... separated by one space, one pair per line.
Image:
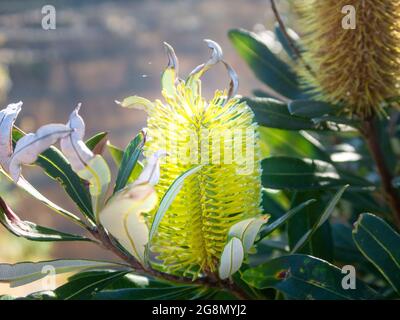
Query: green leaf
x=322 y=219
x=164 y=293
x=25 y=272
x=284 y=41
x=56 y=166
x=86 y=286
x=97 y=142
x=277 y=142
x=30 y=230
x=116 y=153
x=269 y=228
x=321 y=243
x=379 y=243
x=275 y=114
x=169 y=197
x=129 y=161
x=305 y=277
x=310 y=108
x=98 y=174
x=298 y=174
x=267 y=66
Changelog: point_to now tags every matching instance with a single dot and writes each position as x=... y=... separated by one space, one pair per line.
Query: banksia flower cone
x=219 y=135
x=355 y=67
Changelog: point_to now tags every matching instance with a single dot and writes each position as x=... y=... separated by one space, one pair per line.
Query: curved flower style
x=227 y=188
x=359 y=67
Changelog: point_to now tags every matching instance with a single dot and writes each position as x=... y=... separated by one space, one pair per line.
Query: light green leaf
x=98 y=175
x=168 y=198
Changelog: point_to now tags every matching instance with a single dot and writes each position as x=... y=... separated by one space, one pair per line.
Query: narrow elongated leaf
x=25 y=272
x=231 y=258
x=129 y=161
x=266 y=65
x=168 y=198
x=85 y=287
x=247 y=230
x=170 y=74
x=136 y=102
x=165 y=293
x=284 y=41
x=298 y=174
x=268 y=229
x=379 y=243
x=305 y=277
x=30 y=230
x=323 y=218
x=28 y=188
x=116 y=153
x=97 y=143
x=277 y=142
x=273 y=113
x=310 y=108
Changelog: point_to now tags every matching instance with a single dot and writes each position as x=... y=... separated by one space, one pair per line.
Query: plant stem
x=107 y=243
x=370 y=133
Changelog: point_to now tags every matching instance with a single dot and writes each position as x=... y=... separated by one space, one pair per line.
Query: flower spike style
x=226 y=189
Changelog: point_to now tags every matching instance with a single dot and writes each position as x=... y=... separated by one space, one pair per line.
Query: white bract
x=247 y=230
x=7 y=120
x=231 y=258
x=73 y=145
x=31 y=145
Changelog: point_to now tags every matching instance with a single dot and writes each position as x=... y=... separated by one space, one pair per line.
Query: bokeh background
x=99 y=52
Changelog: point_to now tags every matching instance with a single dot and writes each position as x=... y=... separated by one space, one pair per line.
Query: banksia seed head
x=221 y=136
x=356 y=67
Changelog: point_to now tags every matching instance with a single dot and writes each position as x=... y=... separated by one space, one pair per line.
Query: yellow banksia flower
x=221 y=136
x=356 y=67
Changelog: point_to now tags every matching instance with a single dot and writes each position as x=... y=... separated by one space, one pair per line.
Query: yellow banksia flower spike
x=356 y=66
x=221 y=136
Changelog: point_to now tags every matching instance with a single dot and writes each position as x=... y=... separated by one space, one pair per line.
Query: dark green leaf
x=270 y=227
x=275 y=114
x=276 y=142
x=310 y=108
x=324 y=216
x=267 y=66
x=85 y=287
x=284 y=41
x=298 y=174
x=97 y=143
x=305 y=277
x=379 y=243
x=165 y=293
x=129 y=161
